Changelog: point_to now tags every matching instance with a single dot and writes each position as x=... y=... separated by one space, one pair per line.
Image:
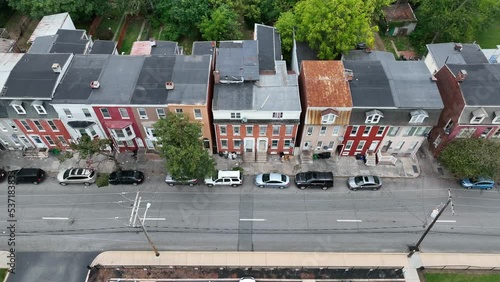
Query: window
x=331 y=144
x=249 y=129
x=322 y=131
x=497 y=117
x=409 y=131
x=373 y=116
x=223 y=129
x=399 y=145
x=68 y=113
x=52 y=125
x=476 y=120
x=3 y=126
x=236 y=130
x=276 y=130
x=361 y=145
x=348 y=145
x=197 y=114
x=354 y=130
x=278 y=115
x=329 y=118
x=38 y=125
x=18 y=107
x=82 y=131
x=496 y=134
x=235 y=115
x=335 y=130
x=16 y=140
x=274 y=144
x=236 y=144
x=26 y=125
x=223 y=143
x=418 y=116
x=393 y=131
x=12 y=125
x=262 y=130
x=412 y=146
x=142 y=113
x=4 y=142
x=423 y=131
x=367 y=130
x=93 y=132
x=310 y=130
x=49 y=140
x=179 y=111
x=40 y=109
x=318 y=145
x=478 y=115
x=448 y=127
x=105 y=113
x=86 y=113
x=160 y=113
x=62 y=141
x=288 y=130
x=123 y=113
x=466 y=132
x=380 y=131
x=437 y=141
x=287 y=144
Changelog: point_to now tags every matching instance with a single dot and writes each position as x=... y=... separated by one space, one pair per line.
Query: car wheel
x=375 y=189
x=210 y=185
x=170 y=184
x=282 y=187
x=325 y=188
x=354 y=189
x=261 y=186
x=302 y=187
x=86 y=184
x=34 y=182
x=191 y=184
x=234 y=185
x=489 y=188
x=468 y=187
x=62 y=183
x=135 y=183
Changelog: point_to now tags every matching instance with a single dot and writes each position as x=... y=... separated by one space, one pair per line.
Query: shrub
x=236 y=168
x=102 y=180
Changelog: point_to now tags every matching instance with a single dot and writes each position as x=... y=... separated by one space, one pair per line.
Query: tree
x=77 y=8
x=285 y=26
x=88 y=147
x=182 y=147
x=221 y=25
x=183 y=16
x=470 y=157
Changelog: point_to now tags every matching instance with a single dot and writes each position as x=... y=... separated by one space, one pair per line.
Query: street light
x=145 y=212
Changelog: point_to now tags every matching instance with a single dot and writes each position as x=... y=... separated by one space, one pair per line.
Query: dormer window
x=18 y=107
x=496 y=120
x=418 y=116
x=38 y=105
x=373 y=116
x=478 y=116
x=235 y=115
x=328 y=116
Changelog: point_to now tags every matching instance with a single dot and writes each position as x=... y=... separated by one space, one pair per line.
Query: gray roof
x=394 y=117
x=42 y=44
x=31 y=113
x=277 y=92
x=411 y=85
x=304 y=53
x=491 y=113
x=203 y=47
x=189 y=74
x=237 y=60
x=164 y=48
x=117 y=80
x=33 y=76
x=269 y=46
x=362 y=55
x=74 y=88
x=445 y=53
x=370 y=86
x=481 y=87
x=64 y=41
x=103 y=47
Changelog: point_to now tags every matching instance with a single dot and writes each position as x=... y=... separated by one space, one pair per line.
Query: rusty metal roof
x=399 y=13
x=325 y=84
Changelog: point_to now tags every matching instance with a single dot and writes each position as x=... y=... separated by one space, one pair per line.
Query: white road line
x=452 y=221
x=154 y=218
x=55 y=218
x=349 y=220
x=253 y=219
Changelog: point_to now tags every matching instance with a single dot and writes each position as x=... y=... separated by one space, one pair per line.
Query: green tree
x=182 y=147
x=183 y=16
x=77 y=8
x=285 y=26
x=221 y=25
x=88 y=147
x=468 y=157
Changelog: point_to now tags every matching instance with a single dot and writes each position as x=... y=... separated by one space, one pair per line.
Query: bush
x=105 y=34
x=102 y=180
x=236 y=168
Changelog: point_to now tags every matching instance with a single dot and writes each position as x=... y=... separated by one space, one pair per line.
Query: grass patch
x=490 y=38
x=187 y=45
x=102 y=180
x=133 y=29
x=109 y=22
x=388 y=45
x=3 y=274
x=461 y=277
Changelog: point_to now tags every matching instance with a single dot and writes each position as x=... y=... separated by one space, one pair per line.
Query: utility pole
x=416 y=247
x=133 y=220
x=149 y=239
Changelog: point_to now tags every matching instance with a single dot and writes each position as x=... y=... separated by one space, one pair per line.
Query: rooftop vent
x=458 y=47
x=152 y=42
x=348 y=74
x=95 y=84
x=169 y=85
x=56 y=68
x=462 y=74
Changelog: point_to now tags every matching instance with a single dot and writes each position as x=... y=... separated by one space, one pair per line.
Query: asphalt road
x=72 y=218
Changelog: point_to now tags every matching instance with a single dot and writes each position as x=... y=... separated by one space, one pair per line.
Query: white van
x=226 y=177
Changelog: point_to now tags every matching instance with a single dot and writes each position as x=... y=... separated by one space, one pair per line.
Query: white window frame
x=26 y=125
x=348 y=145
x=474 y=120
x=365 y=133
x=330 y=145
x=53 y=125
x=236 y=130
x=4 y=128
x=496 y=134
x=143 y=115
x=412 y=146
x=235 y=115
x=179 y=111
x=61 y=140
x=288 y=130
x=222 y=146
x=223 y=130
x=399 y=146
x=160 y=116
x=49 y=140
x=380 y=128
x=19 y=109
x=262 y=132
x=466 y=132
x=322 y=131
x=373 y=119
x=278 y=127
x=107 y=113
x=237 y=146
x=361 y=145
x=38 y=126
x=410 y=131
x=249 y=130
x=123 y=131
x=40 y=109
x=68 y=113
x=12 y=125
x=319 y=145
x=394 y=131
x=310 y=130
x=124 y=113
x=354 y=130
x=277 y=114
x=277 y=143
x=287 y=143
x=197 y=114
x=336 y=131
x=417 y=119
x=4 y=142
x=496 y=120
x=437 y=141
x=86 y=112
x=328 y=118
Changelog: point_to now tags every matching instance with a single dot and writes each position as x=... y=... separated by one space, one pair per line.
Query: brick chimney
x=462 y=74
x=216 y=77
x=348 y=74
x=458 y=47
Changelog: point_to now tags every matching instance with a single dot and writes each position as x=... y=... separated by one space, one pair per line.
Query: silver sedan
x=369 y=182
x=272 y=180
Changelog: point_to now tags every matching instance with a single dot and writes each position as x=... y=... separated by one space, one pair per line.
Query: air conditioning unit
x=169 y=85
x=56 y=68
x=95 y=84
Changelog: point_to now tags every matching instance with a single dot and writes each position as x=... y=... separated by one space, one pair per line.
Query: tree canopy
x=182 y=147
x=470 y=157
x=221 y=25
x=87 y=146
x=77 y=8
x=331 y=27
x=181 y=16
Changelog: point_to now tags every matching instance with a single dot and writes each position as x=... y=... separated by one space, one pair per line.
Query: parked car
x=77 y=176
x=247 y=279
x=225 y=178
x=366 y=182
x=3 y=174
x=477 y=182
x=272 y=180
x=185 y=181
x=27 y=175
x=314 y=179
x=133 y=177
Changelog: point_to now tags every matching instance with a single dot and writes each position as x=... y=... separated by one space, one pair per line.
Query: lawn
x=133 y=29
x=489 y=39
x=461 y=277
x=3 y=274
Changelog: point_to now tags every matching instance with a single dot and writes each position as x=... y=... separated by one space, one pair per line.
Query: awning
x=80 y=124
x=118 y=124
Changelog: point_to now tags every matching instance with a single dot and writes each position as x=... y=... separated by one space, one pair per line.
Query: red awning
x=118 y=124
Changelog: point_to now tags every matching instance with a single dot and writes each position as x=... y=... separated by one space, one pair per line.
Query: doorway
x=38 y=141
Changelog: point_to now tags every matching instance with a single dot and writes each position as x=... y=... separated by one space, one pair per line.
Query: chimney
x=462 y=74
x=169 y=85
x=368 y=50
x=152 y=42
x=458 y=47
x=56 y=68
x=216 y=77
x=348 y=74
x=95 y=84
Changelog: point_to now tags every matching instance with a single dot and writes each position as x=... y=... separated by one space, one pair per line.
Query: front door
x=249 y=145
x=306 y=145
x=139 y=142
x=25 y=141
x=373 y=146
x=262 y=145
x=38 y=141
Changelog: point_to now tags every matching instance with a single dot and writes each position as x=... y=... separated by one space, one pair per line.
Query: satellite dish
x=243 y=119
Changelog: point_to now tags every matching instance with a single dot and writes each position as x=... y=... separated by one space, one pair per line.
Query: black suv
x=27 y=175
x=314 y=179
x=126 y=177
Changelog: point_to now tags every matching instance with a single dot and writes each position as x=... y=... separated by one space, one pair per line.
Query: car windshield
x=358 y=180
x=66 y=173
x=92 y=173
x=137 y=174
x=265 y=177
x=283 y=178
x=309 y=175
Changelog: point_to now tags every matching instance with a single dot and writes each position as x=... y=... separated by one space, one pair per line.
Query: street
x=73 y=218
